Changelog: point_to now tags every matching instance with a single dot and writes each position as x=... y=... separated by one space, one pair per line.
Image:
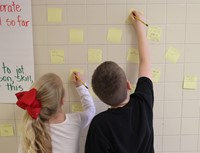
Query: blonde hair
x=50 y=92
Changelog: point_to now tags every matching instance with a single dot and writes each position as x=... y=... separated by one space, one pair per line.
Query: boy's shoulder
x=101 y=118
x=101 y=115
x=110 y=115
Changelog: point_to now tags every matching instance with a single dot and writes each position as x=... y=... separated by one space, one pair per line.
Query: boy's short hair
x=109 y=83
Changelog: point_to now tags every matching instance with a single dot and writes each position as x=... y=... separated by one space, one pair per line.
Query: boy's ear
x=128 y=85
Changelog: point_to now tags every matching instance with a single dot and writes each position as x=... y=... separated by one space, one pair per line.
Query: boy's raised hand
x=139 y=26
x=144 y=53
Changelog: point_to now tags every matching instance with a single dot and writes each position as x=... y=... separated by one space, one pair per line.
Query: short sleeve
x=144 y=89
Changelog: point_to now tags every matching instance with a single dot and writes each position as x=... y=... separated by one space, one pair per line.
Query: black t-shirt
x=127 y=129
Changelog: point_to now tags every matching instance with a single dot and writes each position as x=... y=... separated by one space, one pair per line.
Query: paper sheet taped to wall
x=16 y=54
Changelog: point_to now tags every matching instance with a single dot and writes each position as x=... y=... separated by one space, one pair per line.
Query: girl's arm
x=86 y=100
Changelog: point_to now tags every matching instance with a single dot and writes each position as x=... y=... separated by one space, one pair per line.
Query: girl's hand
x=75 y=80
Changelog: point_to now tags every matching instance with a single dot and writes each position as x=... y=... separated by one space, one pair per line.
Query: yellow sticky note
x=6 y=130
x=76 y=108
x=133 y=55
x=133 y=87
x=54 y=15
x=114 y=35
x=94 y=55
x=172 y=54
x=76 y=36
x=57 y=56
x=190 y=82
x=156 y=75
x=154 y=33
x=81 y=71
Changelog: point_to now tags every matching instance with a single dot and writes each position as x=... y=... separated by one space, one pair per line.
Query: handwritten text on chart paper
x=13 y=21
x=13 y=80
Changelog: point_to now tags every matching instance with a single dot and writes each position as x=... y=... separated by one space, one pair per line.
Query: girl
x=47 y=129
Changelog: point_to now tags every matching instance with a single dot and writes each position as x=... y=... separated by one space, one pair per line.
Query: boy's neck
x=122 y=104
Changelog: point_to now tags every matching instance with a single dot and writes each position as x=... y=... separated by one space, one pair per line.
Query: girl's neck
x=59 y=117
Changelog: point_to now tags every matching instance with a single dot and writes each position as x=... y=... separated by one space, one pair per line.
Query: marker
x=80 y=80
x=140 y=20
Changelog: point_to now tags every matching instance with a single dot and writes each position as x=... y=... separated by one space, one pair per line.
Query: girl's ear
x=62 y=102
x=128 y=85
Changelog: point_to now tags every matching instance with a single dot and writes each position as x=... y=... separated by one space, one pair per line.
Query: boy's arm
x=143 y=48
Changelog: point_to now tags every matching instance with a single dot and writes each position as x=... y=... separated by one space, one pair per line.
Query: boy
x=126 y=127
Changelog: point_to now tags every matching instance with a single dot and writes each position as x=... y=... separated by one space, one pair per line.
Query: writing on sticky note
x=156 y=75
x=76 y=36
x=6 y=130
x=57 y=56
x=190 y=82
x=133 y=55
x=114 y=35
x=172 y=54
x=76 y=108
x=54 y=15
x=128 y=20
x=94 y=55
x=154 y=33
x=81 y=71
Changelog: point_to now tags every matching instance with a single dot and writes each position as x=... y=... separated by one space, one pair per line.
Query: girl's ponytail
x=49 y=96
